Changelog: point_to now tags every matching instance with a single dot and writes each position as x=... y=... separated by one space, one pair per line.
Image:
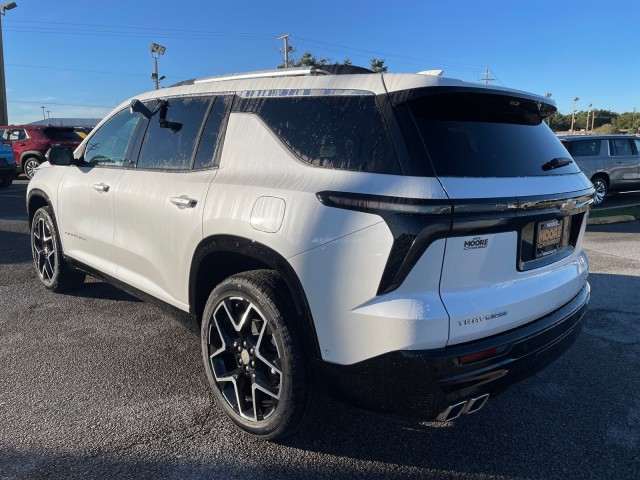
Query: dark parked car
x=31 y=142
x=7 y=164
x=611 y=162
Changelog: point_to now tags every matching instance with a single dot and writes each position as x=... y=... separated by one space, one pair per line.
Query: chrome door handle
x=184 y=202
x=100 y=187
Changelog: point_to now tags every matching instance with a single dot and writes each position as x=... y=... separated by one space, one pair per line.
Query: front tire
x=252 y=354
x=601 y=188
x=53 y=271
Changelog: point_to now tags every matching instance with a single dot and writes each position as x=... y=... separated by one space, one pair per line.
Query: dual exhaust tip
x=463 y=408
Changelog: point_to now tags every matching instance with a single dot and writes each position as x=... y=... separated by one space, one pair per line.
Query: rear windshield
x=61 y=134
x=487 y=135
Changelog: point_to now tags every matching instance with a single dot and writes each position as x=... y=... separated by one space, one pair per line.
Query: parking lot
x=97 y=384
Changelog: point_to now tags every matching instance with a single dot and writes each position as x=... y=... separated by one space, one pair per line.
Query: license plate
x=549 y=239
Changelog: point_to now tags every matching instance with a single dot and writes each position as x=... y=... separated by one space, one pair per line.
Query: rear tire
x=252 y=355
x=601 y=188
x=53 y=271
x=29 y=166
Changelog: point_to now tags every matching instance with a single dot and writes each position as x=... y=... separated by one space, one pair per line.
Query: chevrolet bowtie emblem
x=568 y=206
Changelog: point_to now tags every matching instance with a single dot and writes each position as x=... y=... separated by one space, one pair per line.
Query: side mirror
x=60 y=156
x=136 y=106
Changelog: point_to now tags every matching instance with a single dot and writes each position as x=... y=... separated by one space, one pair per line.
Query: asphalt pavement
x=96 y=384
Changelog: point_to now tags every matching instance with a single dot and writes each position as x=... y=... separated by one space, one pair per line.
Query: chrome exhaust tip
x=465 y=407
x=475 y=404
x=451 y=412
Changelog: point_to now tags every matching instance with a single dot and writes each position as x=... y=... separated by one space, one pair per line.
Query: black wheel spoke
x=243 y=358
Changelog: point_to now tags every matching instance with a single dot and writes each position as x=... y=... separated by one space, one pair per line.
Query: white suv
x=410 y=243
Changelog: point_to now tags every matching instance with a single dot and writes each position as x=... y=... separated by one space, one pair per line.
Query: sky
x=82 y=58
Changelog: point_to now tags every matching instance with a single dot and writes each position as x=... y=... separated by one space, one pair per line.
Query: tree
x=378 y=66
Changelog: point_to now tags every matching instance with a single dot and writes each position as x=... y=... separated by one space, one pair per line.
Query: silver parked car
x=611 y=162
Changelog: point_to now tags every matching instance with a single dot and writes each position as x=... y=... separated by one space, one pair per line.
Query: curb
x=610 y=220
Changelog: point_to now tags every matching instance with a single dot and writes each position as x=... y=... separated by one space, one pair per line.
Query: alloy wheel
x=245 y=358
x=44 y=252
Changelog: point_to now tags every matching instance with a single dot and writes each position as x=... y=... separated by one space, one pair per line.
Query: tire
x=29 y=166
x=6 y=181
x=53 y=271
x=601 y=188
x=253 y=357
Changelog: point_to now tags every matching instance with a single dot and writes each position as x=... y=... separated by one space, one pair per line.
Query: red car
x=31 y=142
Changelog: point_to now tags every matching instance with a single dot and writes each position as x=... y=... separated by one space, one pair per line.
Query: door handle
x=184 y=202
x=100 y=187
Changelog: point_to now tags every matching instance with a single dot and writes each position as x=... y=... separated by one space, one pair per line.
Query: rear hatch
x=519 y=207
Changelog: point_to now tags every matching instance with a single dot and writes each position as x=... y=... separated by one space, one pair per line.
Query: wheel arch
x=603 y=175
x=220 y=256
x=32 y=153
x=35 y=200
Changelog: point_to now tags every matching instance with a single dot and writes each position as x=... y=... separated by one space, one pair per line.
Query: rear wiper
x=556 y=163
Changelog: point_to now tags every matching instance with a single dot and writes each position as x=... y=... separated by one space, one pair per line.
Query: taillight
x=481 y=355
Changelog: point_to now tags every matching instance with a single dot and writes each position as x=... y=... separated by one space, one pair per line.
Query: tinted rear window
x=345 y=132
x=61 y=134
x=583 y=148
x=486 y=135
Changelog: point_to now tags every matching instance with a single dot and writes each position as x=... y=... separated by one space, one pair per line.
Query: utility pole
x=486 y=77
x=573 y=115
x=593 y=120
x=586 y=129
x=4 y=117
x=285 y=37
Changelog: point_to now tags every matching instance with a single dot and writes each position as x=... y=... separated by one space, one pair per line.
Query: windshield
x=470 y=134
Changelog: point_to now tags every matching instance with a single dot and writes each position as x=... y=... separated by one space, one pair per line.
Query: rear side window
x=170 y=139
x=61 y=134
x=584 y=148
x=345 y=132
x=211 y=135
x=469 y=134
x=620 y=147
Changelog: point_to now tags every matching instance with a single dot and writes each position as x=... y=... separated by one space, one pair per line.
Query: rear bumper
x=424 y=383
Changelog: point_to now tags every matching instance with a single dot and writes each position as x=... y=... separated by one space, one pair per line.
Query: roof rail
x=281 y=72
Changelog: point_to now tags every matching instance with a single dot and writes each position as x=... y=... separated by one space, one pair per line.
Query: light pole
x=573 y=115
x=633 y=121
x=44 y=118
x=156 y=51
x=586 y=130
x=48 y=117
x=4 y=118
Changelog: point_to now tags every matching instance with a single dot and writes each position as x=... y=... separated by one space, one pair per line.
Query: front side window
x=345 y=132
x=170 y=139
x=109 y=144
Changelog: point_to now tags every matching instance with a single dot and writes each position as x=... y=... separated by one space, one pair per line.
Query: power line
x=64 y=104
